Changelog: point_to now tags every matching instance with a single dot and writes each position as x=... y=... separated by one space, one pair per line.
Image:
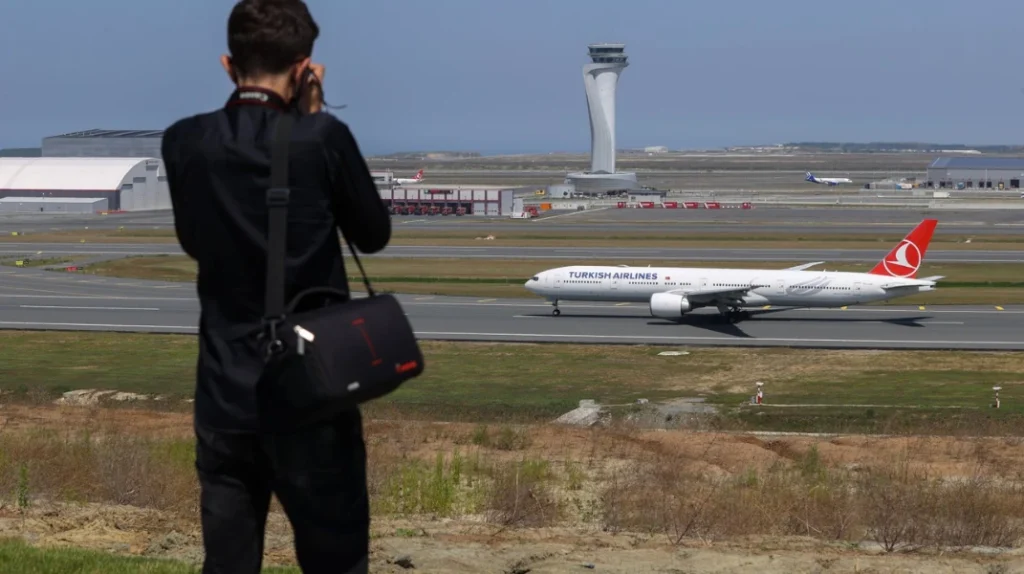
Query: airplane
x=414 y=179
x=826 y=180
x=671 y=292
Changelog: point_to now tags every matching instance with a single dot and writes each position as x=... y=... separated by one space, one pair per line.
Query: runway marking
x=621 y=304
x=89 y=308
x=55 y=294
x=687 y=338
x=585 y=211
x=424 y=298
x=104 y=325
x=92 y=297
x=999 y=308
x=920 y=308
x=486 y=300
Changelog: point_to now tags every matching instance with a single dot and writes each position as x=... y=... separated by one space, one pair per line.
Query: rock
x=82 y=397
x=123 y=396
x=405 y=561
x=588 y=414
x=89 y=397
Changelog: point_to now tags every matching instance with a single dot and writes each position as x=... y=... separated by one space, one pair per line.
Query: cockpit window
x=534 y=278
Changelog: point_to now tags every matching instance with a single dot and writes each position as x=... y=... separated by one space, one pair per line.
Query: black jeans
x=319 y=476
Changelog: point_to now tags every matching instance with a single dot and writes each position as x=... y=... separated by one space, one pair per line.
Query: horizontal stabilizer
x=804 y=266
x=911 y=283
x=933 y=278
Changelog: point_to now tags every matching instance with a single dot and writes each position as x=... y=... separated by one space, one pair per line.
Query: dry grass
x=897 y=493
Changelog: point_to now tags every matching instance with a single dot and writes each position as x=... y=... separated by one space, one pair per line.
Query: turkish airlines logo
x=904 y=260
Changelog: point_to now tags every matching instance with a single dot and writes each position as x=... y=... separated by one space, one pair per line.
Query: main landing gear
x=733 y=314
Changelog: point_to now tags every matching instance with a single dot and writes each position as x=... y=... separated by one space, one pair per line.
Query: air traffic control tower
x=600 y=79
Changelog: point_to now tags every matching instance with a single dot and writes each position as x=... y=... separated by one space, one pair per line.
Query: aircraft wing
x=803 y=266
x=713 y=295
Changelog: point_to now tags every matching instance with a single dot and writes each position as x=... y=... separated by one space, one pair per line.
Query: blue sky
x=505 y=76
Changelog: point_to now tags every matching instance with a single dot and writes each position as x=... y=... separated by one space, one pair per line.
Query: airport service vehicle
x=414 y=179
x=826 y=180
x=671 y=292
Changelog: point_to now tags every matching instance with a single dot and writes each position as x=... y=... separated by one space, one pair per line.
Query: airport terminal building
x=976 y=173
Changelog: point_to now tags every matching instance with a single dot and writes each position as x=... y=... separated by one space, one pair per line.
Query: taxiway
x=567 y=254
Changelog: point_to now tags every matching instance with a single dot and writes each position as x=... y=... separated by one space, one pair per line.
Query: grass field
x=506 y=233
x=964 y=283
x=523 y=382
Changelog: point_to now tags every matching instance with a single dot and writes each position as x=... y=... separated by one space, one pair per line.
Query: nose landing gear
x=556 y=312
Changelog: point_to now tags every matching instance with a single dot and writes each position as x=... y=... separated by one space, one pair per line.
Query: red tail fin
x=905 y=259
x=419 y=174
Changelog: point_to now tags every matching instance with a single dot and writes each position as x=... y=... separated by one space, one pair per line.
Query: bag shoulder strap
x=277 y=218
x=277 y=199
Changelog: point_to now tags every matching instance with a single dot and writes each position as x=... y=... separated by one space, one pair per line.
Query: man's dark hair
x=268 y=36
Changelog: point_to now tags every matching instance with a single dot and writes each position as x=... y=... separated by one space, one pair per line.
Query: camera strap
x=277 y=199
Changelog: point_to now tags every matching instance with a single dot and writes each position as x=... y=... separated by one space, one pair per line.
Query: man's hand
x=312 y=99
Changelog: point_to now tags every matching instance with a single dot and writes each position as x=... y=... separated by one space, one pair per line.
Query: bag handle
x=323 y=291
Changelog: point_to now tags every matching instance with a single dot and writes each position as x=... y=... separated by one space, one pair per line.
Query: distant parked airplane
x=415 y=179
x=826 y=180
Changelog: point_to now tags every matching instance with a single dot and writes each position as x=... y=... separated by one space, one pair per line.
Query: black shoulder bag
x=328 y=359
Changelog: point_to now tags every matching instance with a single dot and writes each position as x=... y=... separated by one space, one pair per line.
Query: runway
x=33 y=299
x=567 y=255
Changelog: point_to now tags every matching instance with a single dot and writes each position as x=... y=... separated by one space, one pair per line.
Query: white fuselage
x=830 y=180
x=774 y=286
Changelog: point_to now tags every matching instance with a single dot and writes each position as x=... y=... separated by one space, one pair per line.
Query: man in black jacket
x=218 y=170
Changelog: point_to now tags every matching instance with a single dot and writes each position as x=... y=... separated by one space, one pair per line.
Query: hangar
x=976 y=173
x=127 y=184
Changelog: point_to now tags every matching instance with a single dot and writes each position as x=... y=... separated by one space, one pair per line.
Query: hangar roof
x=1014 y=163
x=66 y=173
x=113 y=134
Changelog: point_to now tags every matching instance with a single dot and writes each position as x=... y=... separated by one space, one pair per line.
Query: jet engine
x=669 y=305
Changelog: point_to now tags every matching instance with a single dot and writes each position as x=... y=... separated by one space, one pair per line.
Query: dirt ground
x=464 y=547
x=458 y=546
